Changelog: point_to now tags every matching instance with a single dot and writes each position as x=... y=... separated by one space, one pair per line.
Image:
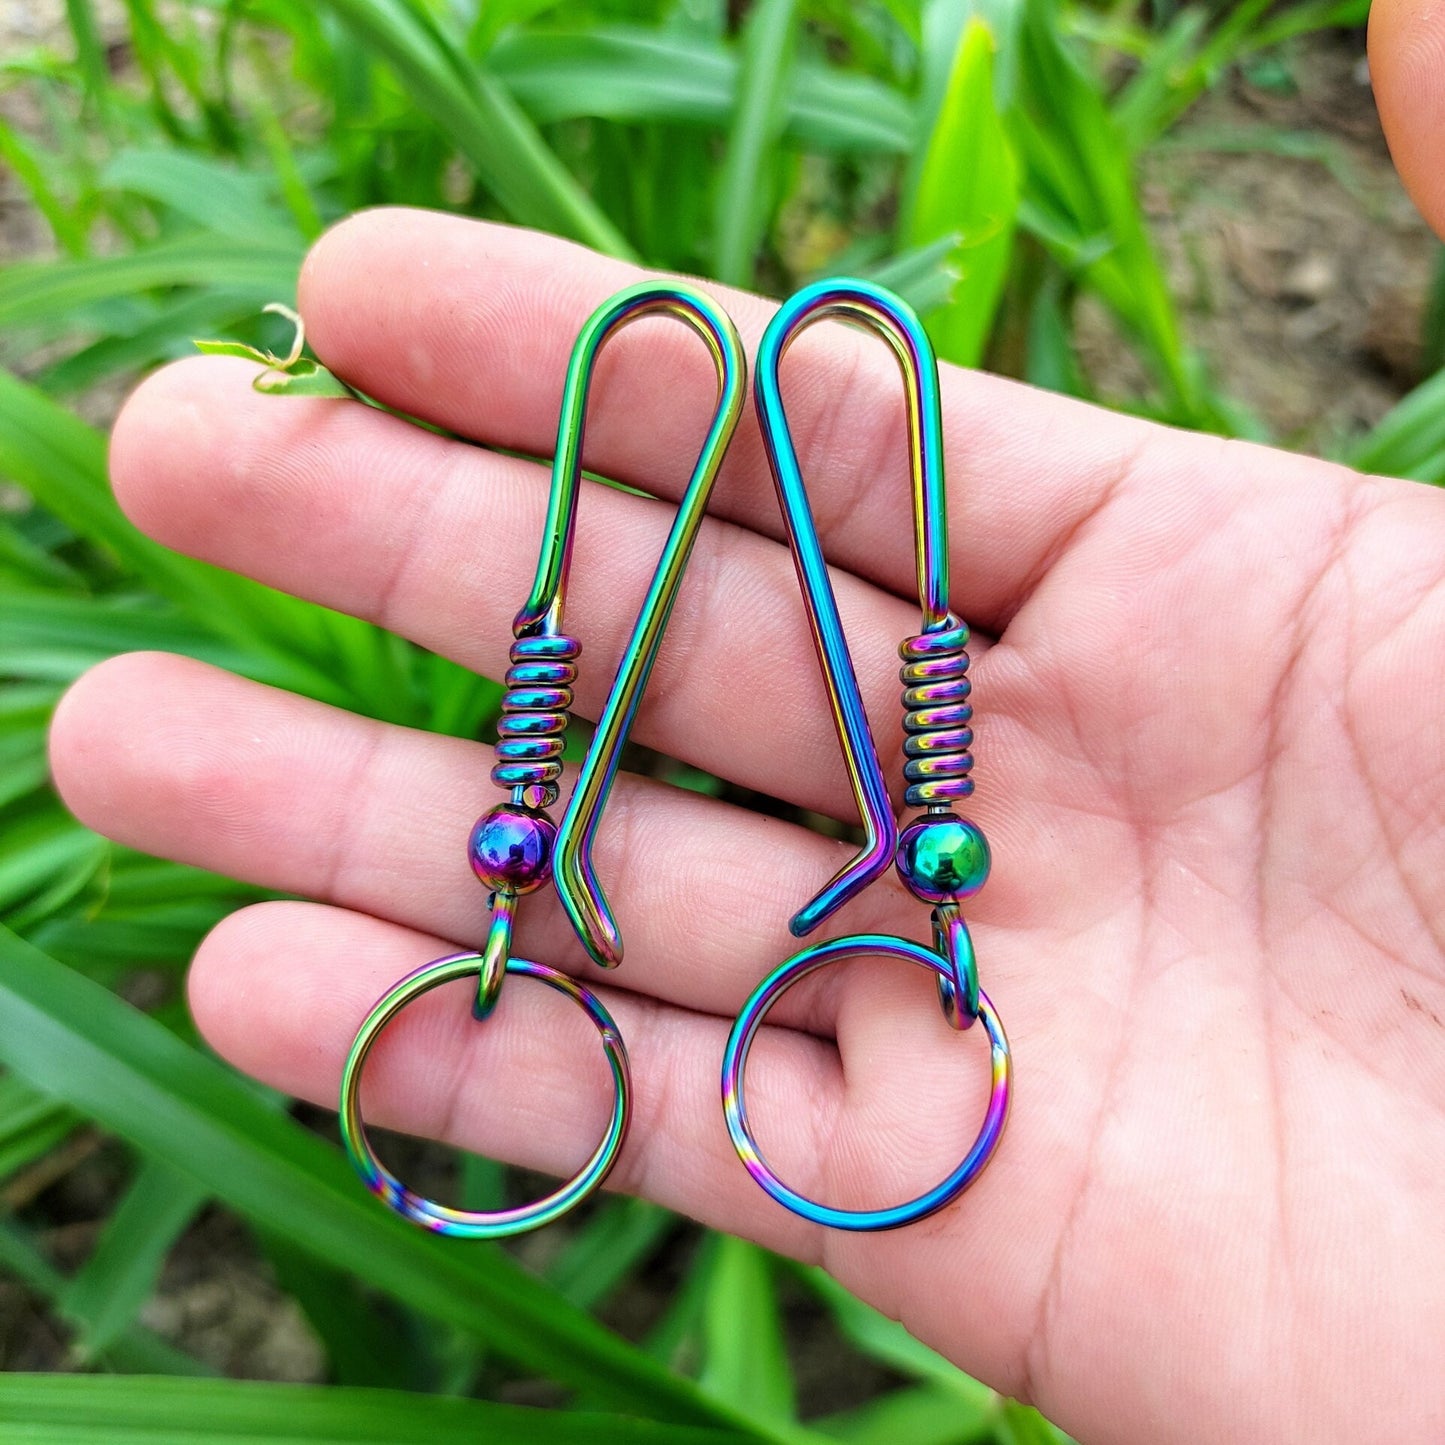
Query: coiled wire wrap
x=937 y=715
x=535 y=714
x=513 y=847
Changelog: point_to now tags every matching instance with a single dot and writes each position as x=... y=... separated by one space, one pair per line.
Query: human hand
x=1211 y=763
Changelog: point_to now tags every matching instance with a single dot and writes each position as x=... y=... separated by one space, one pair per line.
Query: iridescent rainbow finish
x=497 y=1223
x=735 y=1060
x=512 y=849
x=945 y=858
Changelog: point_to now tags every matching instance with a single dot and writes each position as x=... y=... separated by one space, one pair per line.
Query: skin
x=1211 y=762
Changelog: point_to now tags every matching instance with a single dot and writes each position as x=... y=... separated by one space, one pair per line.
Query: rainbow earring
x=515 y=848
x=942 y=859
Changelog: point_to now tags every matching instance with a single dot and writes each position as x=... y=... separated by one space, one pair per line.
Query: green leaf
x=1052 y=362
x=137 y=1351
x=71 y=1037
x=1022 y=1425
x=302 y=378
x=46 y=859
x=1282 y=24
x=625 y=73
x=968 y=187
x=25 y=711
x=745 y=190
x=156 y=331
x=55 y=636
x=364 y=1342
x=1079 y=182
x=27 y=562
x=495 y=16
x=31 y=167
x=674 y=1338
x=608 y=1248
x=122 y=1271
x=60 y=461
x=920 y=1415
x=924 y=276
x=215 y=196
x=112 y=1410
x=238 y=349
x=89 y=48
x=51 y=291
x=31 y=1125
x=1410 y=440
x=886 y=1340
x=745 y=1356
x=476 y=112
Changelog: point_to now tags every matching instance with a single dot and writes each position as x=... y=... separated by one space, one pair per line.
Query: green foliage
x=967 y=192
x=978 y=155
x=45 y=1410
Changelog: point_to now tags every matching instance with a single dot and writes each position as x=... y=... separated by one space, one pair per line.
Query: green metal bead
x=942 y=858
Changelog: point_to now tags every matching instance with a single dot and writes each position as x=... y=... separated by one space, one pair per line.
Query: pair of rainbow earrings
x=516 y=848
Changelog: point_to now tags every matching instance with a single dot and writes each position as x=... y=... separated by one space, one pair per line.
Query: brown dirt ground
x=1303 y=281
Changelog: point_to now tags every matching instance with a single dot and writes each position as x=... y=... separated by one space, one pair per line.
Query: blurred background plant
x=1044 y=179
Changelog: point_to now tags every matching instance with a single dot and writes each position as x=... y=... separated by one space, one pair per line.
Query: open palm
x=1211 y=763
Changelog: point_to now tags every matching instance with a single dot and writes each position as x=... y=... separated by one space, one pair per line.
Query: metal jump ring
x=958 y=986
x=736 y=1057
x=475 y=1224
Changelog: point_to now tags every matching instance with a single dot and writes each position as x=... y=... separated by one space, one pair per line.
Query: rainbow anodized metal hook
x=942 y=858
x=515 y=848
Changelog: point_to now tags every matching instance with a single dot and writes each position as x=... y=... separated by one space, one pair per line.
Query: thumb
x=1407 y=68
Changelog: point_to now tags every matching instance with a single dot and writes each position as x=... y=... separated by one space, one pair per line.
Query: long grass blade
x=137 y=1351
x=217 y=197
x=919 y=1414
x=31 y=1125
x=1079 y=182
x=745 y=1356
x=107 y=1410
x=1410 y=440
x=71 y=1037
x=968 y=187
x=745 y=187
x=60 y=461
x=478 y=114
x=89 y=50
x=600 y=1256
x=121 y=1273
x=51 y=291
x=626 y=73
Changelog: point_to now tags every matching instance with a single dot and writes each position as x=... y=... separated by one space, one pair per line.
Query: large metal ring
x=476 y=1224
x=735 y=1108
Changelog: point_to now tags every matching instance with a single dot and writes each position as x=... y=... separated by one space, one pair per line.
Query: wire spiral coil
x=535 y=714
x=937 y=715
x=940 y=857
x=516 y=847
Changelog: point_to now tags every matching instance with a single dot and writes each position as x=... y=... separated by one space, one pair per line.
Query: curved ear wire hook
x=541 y=616
x=895 y=321
x=941 y=858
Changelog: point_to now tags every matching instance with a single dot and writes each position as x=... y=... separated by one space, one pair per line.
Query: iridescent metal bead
x=942 y=858
x=510 y=848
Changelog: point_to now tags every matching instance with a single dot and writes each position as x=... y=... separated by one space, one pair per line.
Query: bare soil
x=1303 y=279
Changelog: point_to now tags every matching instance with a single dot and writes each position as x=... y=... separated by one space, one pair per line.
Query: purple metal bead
x=511 y=848
x=942 y=858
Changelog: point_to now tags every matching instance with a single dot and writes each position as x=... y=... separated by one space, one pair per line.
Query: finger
x=173 y=757
x=1407 y=69
x=477 y=340
x=438 y=540
x=280 y=988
